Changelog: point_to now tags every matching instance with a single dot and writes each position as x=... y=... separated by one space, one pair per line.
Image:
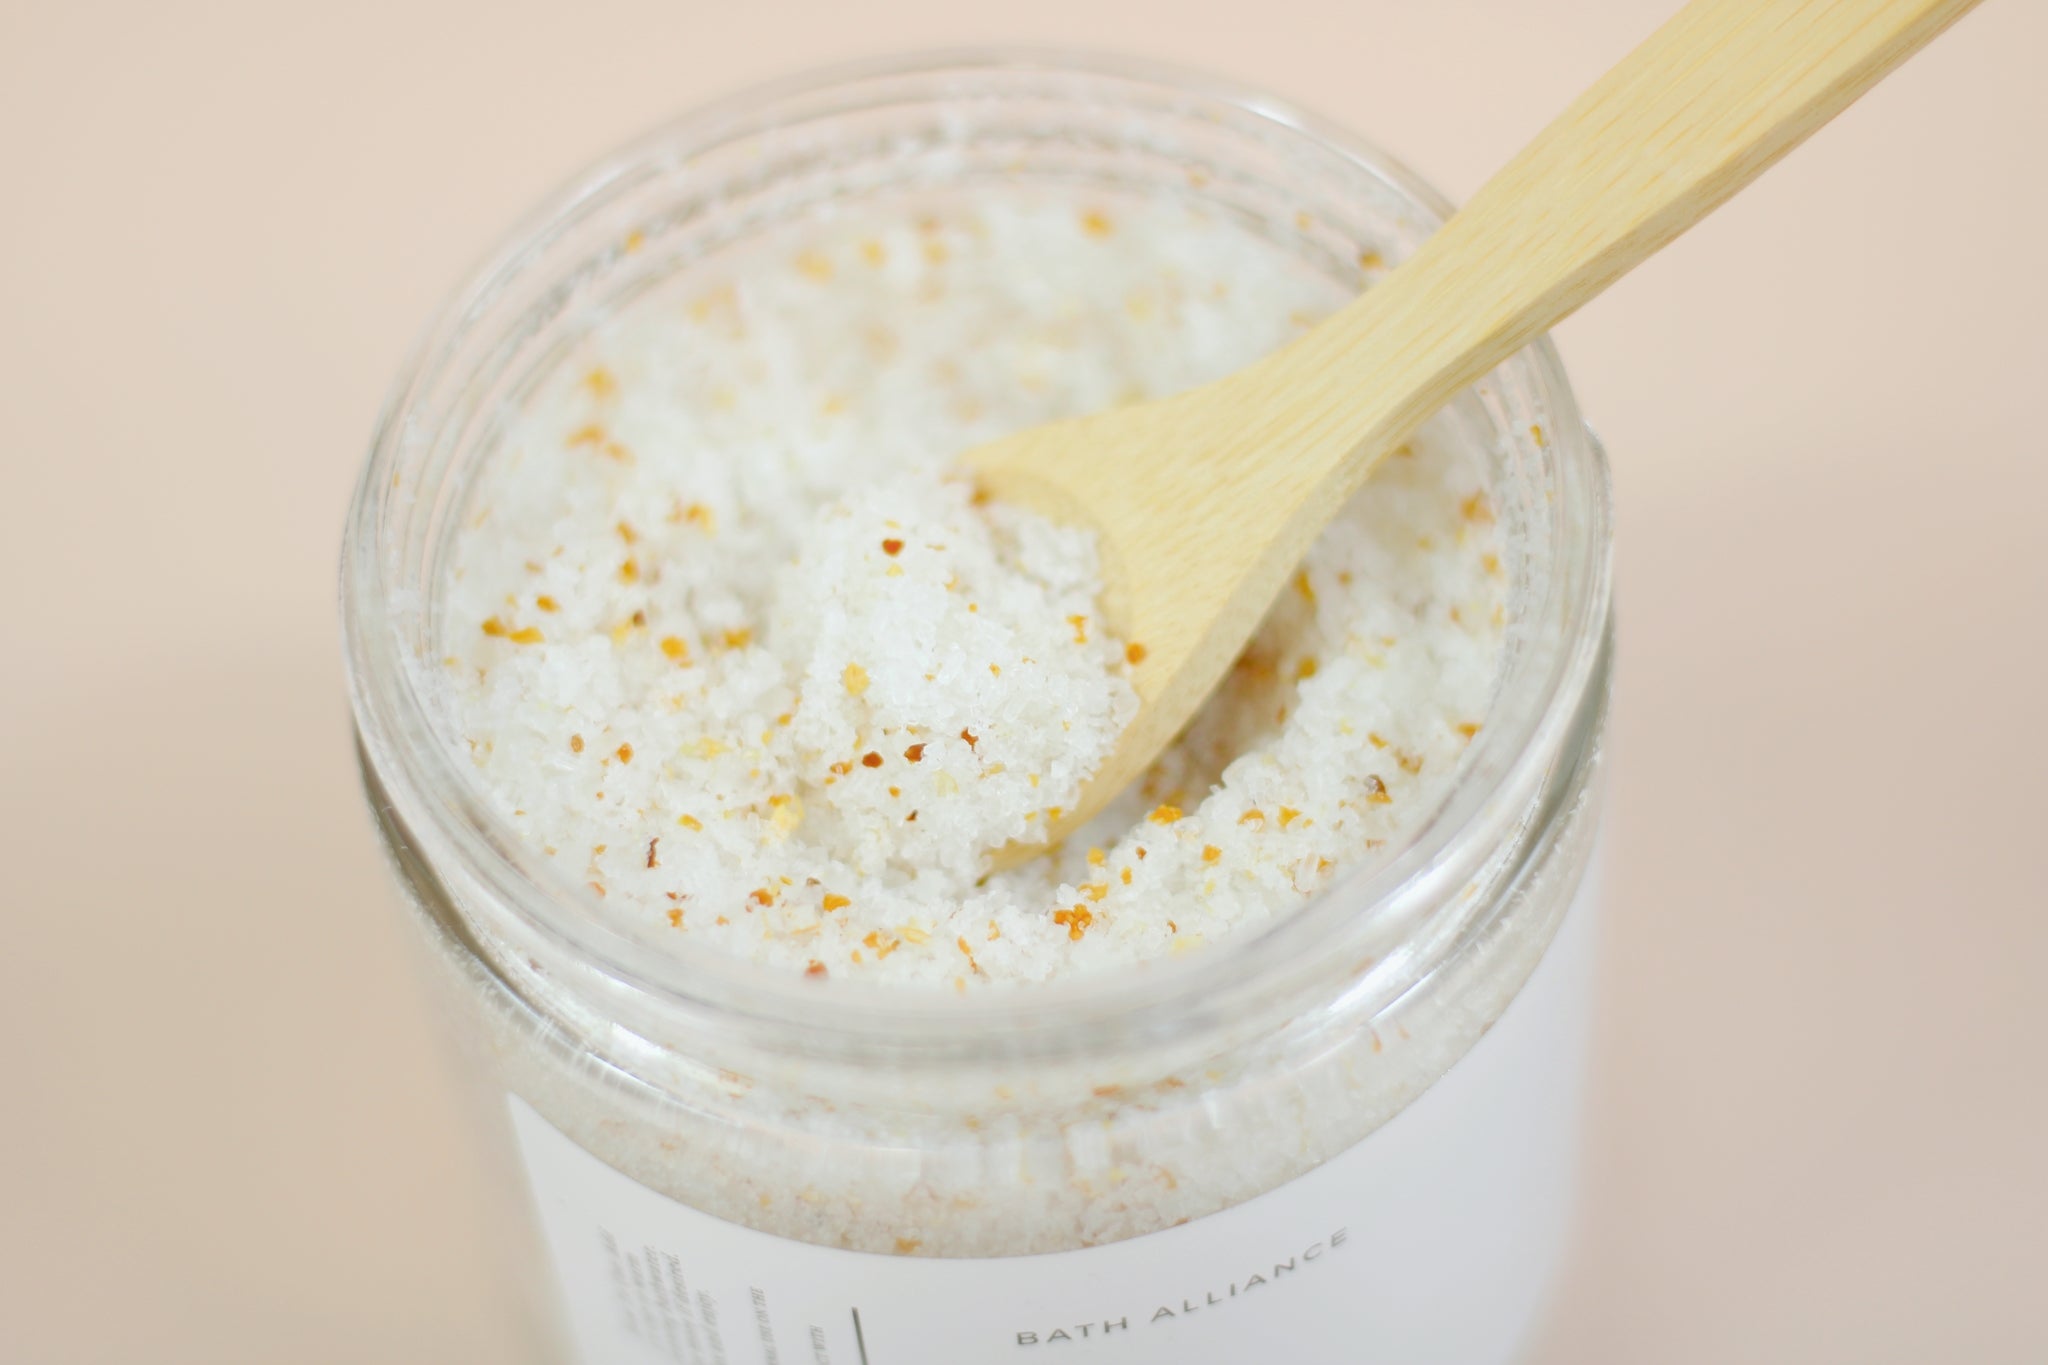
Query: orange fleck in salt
x=675 y=648
x=1211 y=853
x=1288 y=815
x=689 y=822
x=738 y=639
x=1126 y=875
x=1476 y=508
x=915 y=753
x=834 y=901
x=600 y=382
x=892 y=547
x=906 y=1245
x=625 y=752
x=871 y=759
x=493 y=626
x=1096 y=223
x=1468 y=729
x=815 y=968
x=1096 y=857
x=1134 y=653
x=855 y=678
x=629 y=572
x=1074 y=921
x=527 y=635
x=588 y=435
x=1306 y=668
x=547 y=603
x=1164 y=815
x=1376 y=791
x=1080 y=625
x=675 y=918
x=575 y=744
x=1304 y=587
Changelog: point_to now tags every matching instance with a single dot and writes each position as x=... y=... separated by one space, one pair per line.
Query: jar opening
x=959 y=118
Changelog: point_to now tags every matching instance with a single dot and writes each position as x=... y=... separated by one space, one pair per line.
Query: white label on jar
x=1433 y=1240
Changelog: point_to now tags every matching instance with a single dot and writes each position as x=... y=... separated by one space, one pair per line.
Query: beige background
x=1821 y=1116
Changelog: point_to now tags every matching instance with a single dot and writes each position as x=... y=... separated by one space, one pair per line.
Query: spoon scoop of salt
x=1204 y=503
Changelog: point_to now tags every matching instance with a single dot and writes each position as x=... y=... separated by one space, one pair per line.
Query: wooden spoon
x=1205 y=502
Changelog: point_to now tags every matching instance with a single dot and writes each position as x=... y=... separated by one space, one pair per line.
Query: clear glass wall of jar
x=1015 y=1147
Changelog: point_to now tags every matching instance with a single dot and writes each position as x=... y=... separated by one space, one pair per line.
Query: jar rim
x=414 y=771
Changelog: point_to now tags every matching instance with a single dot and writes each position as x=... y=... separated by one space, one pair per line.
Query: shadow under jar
x=1346 y=1136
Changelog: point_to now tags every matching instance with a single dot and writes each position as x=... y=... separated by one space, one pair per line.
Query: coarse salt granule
x=727 y=640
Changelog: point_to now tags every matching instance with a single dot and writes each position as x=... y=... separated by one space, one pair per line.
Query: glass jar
x=1346 y=1137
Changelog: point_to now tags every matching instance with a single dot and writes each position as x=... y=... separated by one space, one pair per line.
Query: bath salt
x=728 y=640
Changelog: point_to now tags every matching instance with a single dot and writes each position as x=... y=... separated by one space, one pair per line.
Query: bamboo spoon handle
x=1714 y=97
